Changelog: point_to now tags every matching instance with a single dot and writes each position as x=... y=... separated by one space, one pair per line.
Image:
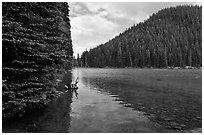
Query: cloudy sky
x=94 y=23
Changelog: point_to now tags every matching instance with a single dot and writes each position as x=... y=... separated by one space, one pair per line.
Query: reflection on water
x=55 y=118
x=171 y=98
x=75 y=91
x=97 y=110
x=115 y=100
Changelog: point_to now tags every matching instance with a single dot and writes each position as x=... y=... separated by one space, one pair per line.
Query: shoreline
x=173 y=68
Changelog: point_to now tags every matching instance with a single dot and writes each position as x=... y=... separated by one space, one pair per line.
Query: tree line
x=172 y=37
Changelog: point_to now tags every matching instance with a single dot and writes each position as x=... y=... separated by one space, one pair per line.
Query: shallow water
x=96 y=111
x=121 y=100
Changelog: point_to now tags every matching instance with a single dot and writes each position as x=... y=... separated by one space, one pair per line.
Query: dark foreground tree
x=36 y=45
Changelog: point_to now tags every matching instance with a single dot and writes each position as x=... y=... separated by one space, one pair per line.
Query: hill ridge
x=171 y=37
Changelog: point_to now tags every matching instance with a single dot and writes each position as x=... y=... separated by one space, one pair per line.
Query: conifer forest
x=36 y=45
x=172 y=37
x=58 y=76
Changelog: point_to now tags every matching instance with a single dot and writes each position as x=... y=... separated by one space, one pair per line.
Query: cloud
x=79 y=9
x=103 y=13
x=94 y=23
x=89 y=29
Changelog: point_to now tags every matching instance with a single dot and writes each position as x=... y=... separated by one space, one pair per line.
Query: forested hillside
x=172 y=37
x=36 y=46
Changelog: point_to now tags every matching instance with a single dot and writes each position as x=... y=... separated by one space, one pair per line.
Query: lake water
x=121 y=100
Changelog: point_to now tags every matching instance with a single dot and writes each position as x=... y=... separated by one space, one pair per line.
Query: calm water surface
x=121 y=100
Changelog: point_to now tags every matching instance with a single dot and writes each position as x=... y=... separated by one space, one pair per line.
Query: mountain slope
x=171 y=37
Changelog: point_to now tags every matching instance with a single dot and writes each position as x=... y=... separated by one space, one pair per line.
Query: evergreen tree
x=36 y=45
x=171 y=37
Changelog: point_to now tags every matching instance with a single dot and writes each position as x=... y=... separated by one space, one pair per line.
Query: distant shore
x=186 y=67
